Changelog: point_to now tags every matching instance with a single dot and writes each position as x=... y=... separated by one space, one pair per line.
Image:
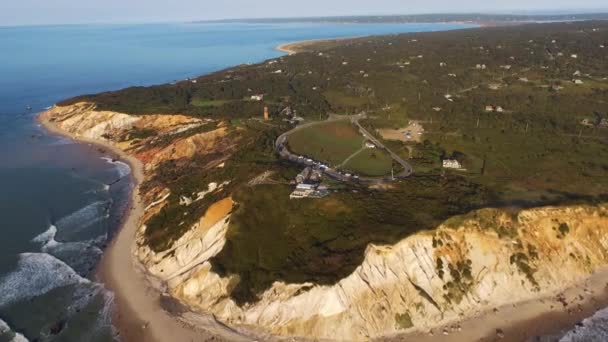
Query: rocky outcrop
x=84 y=120
x=485 y=259
x=470 y=263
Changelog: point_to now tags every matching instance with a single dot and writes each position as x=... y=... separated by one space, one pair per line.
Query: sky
x=26 y=12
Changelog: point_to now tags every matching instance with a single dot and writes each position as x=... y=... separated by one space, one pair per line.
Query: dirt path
x=351 y=157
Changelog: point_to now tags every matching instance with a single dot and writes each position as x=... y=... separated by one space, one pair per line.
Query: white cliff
x=470 y=263
x=425 y=280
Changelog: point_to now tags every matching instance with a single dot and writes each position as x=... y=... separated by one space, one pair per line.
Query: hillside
x=522 y=109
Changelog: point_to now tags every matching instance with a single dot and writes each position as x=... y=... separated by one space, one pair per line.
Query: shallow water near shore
x=57 y=211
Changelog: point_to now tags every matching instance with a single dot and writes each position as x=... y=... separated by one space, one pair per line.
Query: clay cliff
x=482 y=260
x=469 y=263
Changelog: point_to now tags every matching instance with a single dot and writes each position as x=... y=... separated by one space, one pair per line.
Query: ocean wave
x=61 y=141
x=103 y=188
x=49 y=244
x=84 y=217
x=122 y=168
x=81 y=256
x=36 y=274
x=592 y=329
x=47 y=239
x=5 y=330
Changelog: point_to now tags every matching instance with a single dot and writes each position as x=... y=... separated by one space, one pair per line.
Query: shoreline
x=542 y=319
x=292 y=48
x=138 y=313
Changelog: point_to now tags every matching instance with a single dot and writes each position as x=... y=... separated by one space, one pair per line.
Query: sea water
x=57 y=211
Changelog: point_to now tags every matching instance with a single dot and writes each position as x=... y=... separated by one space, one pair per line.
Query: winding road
x=283 y=152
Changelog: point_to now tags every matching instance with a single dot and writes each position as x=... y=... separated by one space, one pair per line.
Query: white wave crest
x=36 y=274
x=122 y=168
x=84 y=217
x=52 y=246
x=47 y=239
x=6 y=329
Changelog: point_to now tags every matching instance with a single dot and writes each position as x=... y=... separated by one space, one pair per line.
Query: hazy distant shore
x=300 y=46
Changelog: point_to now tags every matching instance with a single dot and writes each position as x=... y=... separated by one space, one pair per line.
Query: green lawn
x=370 y=162
x=330 y=142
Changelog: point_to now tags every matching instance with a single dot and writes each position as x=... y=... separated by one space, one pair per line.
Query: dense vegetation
x=534 y=150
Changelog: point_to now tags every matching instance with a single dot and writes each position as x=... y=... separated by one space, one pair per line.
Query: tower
x=266 y=116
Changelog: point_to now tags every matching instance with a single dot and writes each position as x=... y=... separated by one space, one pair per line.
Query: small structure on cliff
x=266 y=115
x=451 y=164
x=309 y=191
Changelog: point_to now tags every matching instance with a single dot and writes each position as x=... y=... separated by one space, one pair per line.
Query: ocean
x=57 y=210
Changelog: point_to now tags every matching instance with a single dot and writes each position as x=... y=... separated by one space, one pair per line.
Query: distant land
x=278 y=198
x=425 y=18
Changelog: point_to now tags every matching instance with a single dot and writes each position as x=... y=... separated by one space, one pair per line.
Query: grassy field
x=370 y=162
x=331 y=142
x=535 y=152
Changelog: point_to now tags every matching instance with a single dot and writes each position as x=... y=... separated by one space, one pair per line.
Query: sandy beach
x=296 y=47
x=143 y=313
x=140 y=314
x=542 y=319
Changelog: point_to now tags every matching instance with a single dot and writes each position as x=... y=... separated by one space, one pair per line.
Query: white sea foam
x=6 y=329
x=593 y=329
x=84 y=217
x=102 y=188
x=47 y=239
x=52 y=246
x=36 y=274
x=104 y=319
x=62 y=141
x=122 y=168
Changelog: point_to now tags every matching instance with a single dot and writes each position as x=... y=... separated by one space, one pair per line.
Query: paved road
x=407 y=168
x=284 y=153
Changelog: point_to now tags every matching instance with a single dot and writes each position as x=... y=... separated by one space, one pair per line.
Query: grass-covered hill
x=507 y=102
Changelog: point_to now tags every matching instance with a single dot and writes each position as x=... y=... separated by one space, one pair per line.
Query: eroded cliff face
x=470 y=263
x=152 y=139
x=84 y=120
x=485 y=259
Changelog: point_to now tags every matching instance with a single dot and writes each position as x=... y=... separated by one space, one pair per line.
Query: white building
x=369 y=144
x=258 y=97
x=451 y=164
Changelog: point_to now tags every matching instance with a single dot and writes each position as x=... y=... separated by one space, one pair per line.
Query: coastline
x=546 y=318
x=292 y=48
x=139 y=314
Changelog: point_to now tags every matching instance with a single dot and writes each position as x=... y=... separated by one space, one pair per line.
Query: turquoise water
x=56 y=211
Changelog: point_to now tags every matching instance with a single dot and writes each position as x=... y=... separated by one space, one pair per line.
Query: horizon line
x=522 y=13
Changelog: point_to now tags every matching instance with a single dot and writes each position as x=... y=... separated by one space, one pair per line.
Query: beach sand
x=543 y=319
x=142 y=315
x=301 y=46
